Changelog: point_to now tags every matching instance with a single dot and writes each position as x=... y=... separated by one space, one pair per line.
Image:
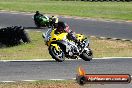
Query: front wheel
x=87 y=55
x=57 y=55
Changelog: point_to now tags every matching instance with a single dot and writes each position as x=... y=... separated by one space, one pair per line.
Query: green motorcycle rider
x=41 y=20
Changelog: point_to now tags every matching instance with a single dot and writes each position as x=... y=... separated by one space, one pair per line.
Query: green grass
x=38 y=50
x=34 y=50
x=107 y=10
x=111 y=48
x=41 y=84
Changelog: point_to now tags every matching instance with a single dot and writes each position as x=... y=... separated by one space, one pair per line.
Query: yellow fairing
x=80 y=37
x=56 y=46
x=56 y=37
x=61 y=36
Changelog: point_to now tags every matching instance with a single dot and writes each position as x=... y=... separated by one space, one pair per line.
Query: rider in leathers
x=36 y=16
x=63 y=27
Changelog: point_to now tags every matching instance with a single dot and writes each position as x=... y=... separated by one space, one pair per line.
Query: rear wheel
x=57 y=55
x=86 y=55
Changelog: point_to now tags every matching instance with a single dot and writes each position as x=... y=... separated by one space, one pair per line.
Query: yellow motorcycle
x=60 y=46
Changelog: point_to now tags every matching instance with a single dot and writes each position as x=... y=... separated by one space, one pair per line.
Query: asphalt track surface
x=121 y=30
x=45 y=70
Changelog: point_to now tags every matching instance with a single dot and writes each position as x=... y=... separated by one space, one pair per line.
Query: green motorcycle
x=42 y=21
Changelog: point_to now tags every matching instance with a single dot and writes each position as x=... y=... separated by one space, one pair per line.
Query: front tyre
x=87 y=55
x=59 y=56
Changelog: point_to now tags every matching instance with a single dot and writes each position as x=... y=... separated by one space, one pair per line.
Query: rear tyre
x=59 y=56
x=86 y=55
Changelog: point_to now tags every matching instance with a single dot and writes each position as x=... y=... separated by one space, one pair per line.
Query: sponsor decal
x=83 y=78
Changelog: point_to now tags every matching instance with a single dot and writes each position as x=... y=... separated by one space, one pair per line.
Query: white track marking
x=115 y=57
x=58 y=79
x=33 y=60
x=35 y=80
x=103 y=37
x=26 y=60
x=93 y=36
x=7 y=81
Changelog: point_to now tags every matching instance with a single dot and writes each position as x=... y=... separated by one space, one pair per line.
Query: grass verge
x=38 y=50
x=107 y=10
x=41 y=84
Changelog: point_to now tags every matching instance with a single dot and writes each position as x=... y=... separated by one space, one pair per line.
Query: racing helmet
x=61 y=25
x=54 y=21
x=37 y=12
